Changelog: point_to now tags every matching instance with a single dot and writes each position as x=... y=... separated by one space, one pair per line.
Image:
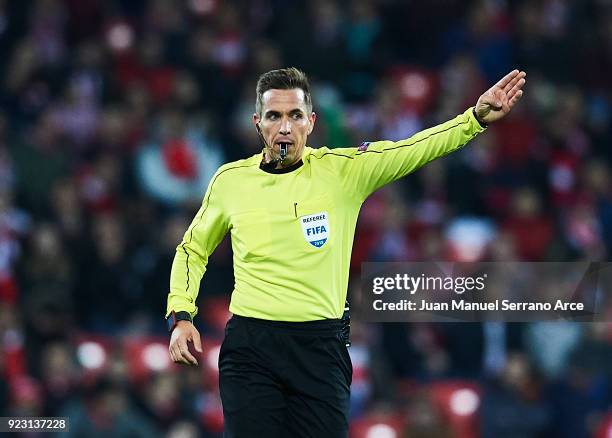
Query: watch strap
x=175 y=317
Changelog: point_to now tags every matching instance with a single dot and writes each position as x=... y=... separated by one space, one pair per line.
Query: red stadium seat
x=209 y=362
x=418 y=87
x=146 y=355
x=211 y=411
x=217 y=313
x=93 y=353
x=459 y=403
x=377 y=425
x=604 y=430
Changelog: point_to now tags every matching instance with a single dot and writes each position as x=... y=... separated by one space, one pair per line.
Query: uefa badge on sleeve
x=315 y=228
x=363 y=146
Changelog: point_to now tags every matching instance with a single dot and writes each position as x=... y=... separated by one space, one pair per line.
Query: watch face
x=171 y=321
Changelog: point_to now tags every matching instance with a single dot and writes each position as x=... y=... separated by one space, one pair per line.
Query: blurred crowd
x=115 y=114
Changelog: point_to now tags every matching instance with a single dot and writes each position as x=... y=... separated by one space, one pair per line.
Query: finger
x=519 y=84
x=504 y=81
x=178 y=357
x=197 y=342
x=184 y=362
x=514 y=81
x=515 y=98
x=185 y=354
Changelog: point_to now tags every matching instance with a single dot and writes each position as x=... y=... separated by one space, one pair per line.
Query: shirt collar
x=270 y=168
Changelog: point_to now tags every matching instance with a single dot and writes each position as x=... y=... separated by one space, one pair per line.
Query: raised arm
x=378 y=163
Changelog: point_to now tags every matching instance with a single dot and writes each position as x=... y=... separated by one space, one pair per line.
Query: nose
x=285 y=128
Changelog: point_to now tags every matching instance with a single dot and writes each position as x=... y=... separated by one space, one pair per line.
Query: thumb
x=492 y=100
x=197 y=342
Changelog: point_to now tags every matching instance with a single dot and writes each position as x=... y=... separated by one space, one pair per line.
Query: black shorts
x=285 y=379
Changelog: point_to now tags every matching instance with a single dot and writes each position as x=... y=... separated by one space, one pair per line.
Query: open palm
x=498 y=100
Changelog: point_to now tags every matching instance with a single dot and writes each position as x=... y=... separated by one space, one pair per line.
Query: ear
x=256 y=119
x=311 y=122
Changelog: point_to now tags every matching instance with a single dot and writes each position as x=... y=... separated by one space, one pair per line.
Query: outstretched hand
x=498 y=100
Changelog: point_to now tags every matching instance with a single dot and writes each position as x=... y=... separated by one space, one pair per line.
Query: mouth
x=284 y=143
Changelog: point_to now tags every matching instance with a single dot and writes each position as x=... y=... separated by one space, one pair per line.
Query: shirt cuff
x=182 y=307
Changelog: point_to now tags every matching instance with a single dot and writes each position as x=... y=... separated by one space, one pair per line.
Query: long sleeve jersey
x=292 y=231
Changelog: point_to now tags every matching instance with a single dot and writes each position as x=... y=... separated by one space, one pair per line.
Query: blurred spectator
x=12 y=346
x=38 y=163
x=179 y=167
x=550 y=344
x=531 y=231
x=584 y=394
x=162 y=399
x=105 y=410
x=425 y=421
x=14 y=224
x=514 y=406
x=59 y=376
x=27 y=398
x=106 y=273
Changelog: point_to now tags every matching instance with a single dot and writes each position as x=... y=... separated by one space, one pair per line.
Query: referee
x=291 y=210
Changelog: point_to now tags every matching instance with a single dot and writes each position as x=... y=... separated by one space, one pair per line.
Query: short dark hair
x=282 y=79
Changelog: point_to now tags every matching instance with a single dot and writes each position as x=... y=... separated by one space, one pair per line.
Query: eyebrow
x=275 y=113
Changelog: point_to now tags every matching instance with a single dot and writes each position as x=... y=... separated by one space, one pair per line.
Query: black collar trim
x=269 y=167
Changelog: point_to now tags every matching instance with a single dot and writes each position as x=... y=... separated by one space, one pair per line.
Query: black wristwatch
x=175 y=317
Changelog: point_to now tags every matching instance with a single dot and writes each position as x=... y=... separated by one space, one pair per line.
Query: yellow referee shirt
x=292 y=232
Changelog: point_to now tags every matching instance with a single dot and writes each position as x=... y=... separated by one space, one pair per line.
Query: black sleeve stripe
x=186 y=264
x=393 y=148
x=200 y=218
x=460 y=146
x=417 y=141
x=332 y=153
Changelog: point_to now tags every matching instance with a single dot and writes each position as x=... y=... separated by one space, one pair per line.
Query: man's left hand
x=498 y=100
